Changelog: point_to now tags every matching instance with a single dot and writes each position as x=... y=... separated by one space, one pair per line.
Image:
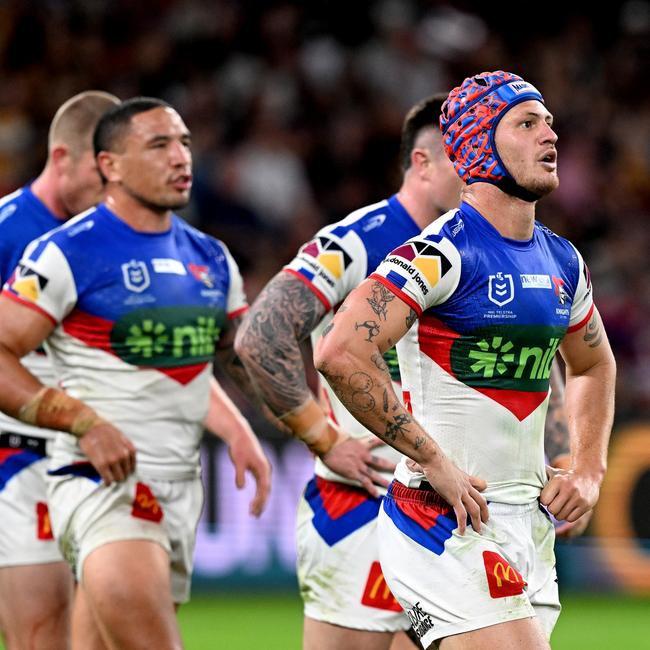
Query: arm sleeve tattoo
x=283 y=315
x=556 y=432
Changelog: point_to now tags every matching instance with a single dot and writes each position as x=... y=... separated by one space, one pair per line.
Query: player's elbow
x=330 y=356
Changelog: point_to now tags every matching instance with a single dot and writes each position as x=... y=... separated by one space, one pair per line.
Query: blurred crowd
x=296 y=108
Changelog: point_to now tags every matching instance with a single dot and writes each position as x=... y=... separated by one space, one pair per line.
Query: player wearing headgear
x=464 y=545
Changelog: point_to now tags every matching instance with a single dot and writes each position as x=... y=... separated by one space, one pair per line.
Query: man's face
x=153 y=162
x=526 y=143
x=80 y=184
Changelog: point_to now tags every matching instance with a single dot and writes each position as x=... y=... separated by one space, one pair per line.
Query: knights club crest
x=136 y=276
x=501 y=289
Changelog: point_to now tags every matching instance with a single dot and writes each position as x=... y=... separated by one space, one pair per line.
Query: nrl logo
x=501 y=289
x=136 y=276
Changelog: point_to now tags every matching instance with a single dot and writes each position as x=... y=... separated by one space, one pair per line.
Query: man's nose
x=180 y=154
x=548 y=135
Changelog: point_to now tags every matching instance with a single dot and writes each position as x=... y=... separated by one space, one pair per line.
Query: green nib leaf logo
x=492 y=356
x=147 y=338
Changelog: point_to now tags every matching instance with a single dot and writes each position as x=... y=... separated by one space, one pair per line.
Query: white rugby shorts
x=340 y=578
x=26 y=531
x=87 y=514
x=450 y=584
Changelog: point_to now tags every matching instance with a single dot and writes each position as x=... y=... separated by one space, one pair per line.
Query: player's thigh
x=318 y=635
x=522 y=634
x=128 y=587
x=36 y=600
x=403 y=641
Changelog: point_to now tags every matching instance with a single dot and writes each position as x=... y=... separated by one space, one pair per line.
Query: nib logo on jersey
x=167 y=337
x=422 y=261
x=510 y=365
x=324 y=253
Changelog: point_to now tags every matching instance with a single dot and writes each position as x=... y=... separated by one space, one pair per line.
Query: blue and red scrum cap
x=469 y=120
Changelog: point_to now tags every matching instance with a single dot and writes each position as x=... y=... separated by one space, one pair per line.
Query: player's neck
x=418 y=204
x=139 y=216
x=512 y=217
x=45 y=190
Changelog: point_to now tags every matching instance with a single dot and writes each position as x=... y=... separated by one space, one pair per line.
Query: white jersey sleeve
x=423 y=272
x=583 y=300
x=44 y=280
x=330 y=266
x=236 y=303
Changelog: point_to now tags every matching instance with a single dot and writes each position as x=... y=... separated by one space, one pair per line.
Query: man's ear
x=108 y=164
x=60 y=158
x=420 y=159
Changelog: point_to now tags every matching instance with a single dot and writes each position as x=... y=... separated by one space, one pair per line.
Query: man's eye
x=527 y=124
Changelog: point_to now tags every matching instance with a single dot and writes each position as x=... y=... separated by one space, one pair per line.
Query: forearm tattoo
x=361 y=392
x=284 y=314
x=556 y=432
x=361 y=386
x=380 y=362
x=231 y=363
x=593 y=335
x=398 y=425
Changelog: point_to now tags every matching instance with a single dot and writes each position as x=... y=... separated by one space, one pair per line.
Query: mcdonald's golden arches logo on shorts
x=145 y=504
x=503 y=579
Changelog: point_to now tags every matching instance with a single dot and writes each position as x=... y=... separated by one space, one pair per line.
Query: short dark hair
x=425 y=114
x=114 y=123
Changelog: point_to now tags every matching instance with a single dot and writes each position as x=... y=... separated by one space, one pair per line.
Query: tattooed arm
x=350 y=358
x=589 y=403
x=556 y=431
x=230 y=362
x=556 y=446
x=268 y=344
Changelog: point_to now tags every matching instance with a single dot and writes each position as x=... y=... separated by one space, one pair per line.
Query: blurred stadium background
x=295 y=110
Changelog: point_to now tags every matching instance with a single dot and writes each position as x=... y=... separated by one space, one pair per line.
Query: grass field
x=273 y=622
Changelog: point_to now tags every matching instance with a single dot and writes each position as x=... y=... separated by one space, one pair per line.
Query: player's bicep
x=286 y=308
x=22 y=327
x=371 y=314
x=587 y=347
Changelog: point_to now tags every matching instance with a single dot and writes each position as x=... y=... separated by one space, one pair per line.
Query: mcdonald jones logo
x=503 y=579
